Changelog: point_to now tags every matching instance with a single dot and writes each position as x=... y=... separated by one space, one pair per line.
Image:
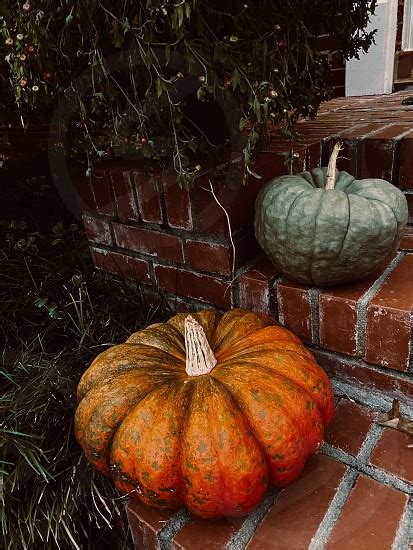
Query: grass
x=56 y=315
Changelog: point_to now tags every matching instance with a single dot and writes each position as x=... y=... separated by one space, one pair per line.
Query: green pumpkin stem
x=200 y=358
x=332 y=166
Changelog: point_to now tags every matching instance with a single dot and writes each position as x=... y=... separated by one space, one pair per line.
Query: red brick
x=101 y=192
x=407 y=239
x=237 y=199
x=308 y=133
x=338 y=77
x=370 y=517
x=178 y=206
x=120 y=264
x=200 y=534
x=349 y=426
x=146 y=241
x=255 y=286
x=218 y=258
x=194 y=285
x=325 y=43
x=313 y=155
x=337 y=60
x=294 y=308
x=146 y=523
x=378 y=152
x=406 y=163
x=362 y=375
x=405 y=64
x=339 y=316
x=388 y=319
x=349 y=159
x=149 y=197
x=122 y=191
x=295 y=516
x=97 y=230
x=393 y=455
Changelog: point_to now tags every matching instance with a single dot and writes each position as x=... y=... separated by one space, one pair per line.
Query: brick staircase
x=357 y=493
x=150 y=230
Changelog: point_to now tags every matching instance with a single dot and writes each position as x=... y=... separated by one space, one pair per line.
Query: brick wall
x=327 y=46
x=359 y=332
x=177 y=238
x=148 y=229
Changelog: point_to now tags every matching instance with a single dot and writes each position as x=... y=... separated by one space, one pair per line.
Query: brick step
x=356 y=493
x=369 y=321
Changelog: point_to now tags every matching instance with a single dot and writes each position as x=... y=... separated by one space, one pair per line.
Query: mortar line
x=171 y=528
x=272 y=300
x=374 y=400
x=367 y=469
x=280 y=314
x=365 y=300
x=332 y=515
x=370 y=441
x=410 y=365
x=404 y=534
x=247 y=530
x=314 y=294
x=395 y=374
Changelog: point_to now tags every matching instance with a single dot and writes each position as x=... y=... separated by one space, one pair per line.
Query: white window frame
x=407 y=36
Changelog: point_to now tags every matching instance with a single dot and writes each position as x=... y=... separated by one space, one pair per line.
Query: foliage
x=173 y=79
x=56 y=314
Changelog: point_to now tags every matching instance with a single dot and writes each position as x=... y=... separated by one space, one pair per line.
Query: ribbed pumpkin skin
x=213 y=442
x=323 y=237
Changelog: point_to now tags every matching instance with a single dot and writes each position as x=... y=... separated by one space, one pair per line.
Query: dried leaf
x=393 y=419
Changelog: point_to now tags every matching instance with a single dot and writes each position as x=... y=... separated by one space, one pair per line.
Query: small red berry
x=47 y=75
x=27 y=7
x=23 y=82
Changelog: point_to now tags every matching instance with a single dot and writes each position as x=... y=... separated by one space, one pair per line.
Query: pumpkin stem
x=332 y=166
x=200 y=358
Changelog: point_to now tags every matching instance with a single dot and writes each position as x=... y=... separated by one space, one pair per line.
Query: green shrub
x=166 y=79
x=56 y=315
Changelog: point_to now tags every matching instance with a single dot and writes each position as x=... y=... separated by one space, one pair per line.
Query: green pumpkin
x=325 y=233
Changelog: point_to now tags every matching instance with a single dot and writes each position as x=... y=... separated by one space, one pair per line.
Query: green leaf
x=77 y=280
x=40 y=302
x=192 y=145
x=235 y=78
x=256 y=105
x=200 y=94
x=58 y=229
x=188 y=10
x=180 y=12
x=167 y=53
x=160 y=86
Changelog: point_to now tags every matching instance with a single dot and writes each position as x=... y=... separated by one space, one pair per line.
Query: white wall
x=373 y=72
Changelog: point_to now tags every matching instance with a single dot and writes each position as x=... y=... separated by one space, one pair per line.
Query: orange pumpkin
x=204 y=411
